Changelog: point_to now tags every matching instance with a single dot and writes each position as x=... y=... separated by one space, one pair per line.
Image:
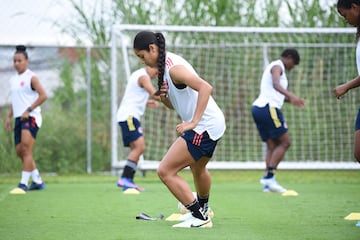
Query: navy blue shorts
x=269 y=122
x=357 y=121
x=199 y=145
x=29 y=124
x=131 y=130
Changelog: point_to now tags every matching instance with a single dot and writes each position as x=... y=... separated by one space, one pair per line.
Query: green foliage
x=61 y=145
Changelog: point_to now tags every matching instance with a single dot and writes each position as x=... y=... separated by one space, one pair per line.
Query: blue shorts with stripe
x=357 y=121
x=199 y=145
x=131 y=130
x=269 y=121
x=29 y=124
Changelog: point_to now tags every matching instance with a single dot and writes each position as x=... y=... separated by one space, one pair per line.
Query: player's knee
x=161 y=173
x=286 y=144
x=142 y=148
x=20 y=150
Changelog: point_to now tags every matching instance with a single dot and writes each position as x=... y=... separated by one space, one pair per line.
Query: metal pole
x=88 y=110
x=113 y=127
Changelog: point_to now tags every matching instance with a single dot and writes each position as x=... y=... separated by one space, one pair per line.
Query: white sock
x=35 y=175
x=25 y=176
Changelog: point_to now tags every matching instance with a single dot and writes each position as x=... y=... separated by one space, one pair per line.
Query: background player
x=132 y=107
x=27 y=94
x=350 y=11
x=268 y=117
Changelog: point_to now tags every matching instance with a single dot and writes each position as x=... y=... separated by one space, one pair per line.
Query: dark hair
x=293 y=53
x=346 y=4
x=21 y=49
x=142 y=41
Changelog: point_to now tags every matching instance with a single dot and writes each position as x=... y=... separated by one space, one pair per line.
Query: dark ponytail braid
x=160 y=40
x=142 y=41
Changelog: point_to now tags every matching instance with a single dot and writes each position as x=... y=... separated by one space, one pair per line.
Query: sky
x=31 y=22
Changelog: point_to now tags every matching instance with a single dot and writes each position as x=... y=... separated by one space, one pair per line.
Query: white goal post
x=231 y=59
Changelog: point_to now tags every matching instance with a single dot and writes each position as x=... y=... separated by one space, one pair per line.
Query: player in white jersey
x=203 y=124
x=136 y=97
x=27 y=94
x=268 y=117
x=350 y=11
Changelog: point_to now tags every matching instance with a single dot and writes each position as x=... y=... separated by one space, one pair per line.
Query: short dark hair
x=293 y=53
x=346 y=4
x=21 y=49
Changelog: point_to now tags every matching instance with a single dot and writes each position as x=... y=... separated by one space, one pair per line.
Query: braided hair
x=346 y=4
x=142 y=41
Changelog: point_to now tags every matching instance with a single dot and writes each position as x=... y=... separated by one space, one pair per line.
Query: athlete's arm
x=145 y=82
x=340 y=90
x=36 y=86
x=180 y=75
x=276 y=73
x=8 y=119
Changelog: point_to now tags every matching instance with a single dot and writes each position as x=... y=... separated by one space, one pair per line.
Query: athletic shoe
x=126 y=183
x=194 y=222
x=266 y=188
x=272 y=184
x=187 y=216
x=23 y=187
x=37 y=186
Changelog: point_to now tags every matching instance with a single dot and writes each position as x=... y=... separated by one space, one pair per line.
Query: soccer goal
x=231 y=59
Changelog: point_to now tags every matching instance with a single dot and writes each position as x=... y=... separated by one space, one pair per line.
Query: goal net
x=232 y=59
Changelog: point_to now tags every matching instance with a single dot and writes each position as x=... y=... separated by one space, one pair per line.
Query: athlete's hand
x=340 y=90
x=24 y=116
x=151 y=103
x=298 y=102
x=8 y=124
x=184 y=126
x=164 y=90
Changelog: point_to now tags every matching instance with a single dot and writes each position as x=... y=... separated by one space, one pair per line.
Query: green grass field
x=92 y=207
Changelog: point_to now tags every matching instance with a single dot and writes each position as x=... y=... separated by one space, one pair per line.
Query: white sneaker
x=193 y=222
x=266 y=189
x=187 y=216
x=272 y=185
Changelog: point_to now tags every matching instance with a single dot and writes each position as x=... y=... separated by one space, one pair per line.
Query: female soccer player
x=203 y=124
x=350 y=11
x=268 y=116
x=27 y=94
x=132 y=107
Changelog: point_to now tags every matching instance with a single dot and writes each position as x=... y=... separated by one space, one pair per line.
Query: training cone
x=173 y=217
x=17 y=191
x=131 y=191
x=290 y=193
x=353 y=216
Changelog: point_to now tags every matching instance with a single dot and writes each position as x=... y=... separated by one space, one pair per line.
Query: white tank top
x=184 y=102
x=135 y=98
x=268 y=94
x=23 y=96
x=358 y=56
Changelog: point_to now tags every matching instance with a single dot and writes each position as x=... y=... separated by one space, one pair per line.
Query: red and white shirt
x=23 y=96
x=184 y=102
